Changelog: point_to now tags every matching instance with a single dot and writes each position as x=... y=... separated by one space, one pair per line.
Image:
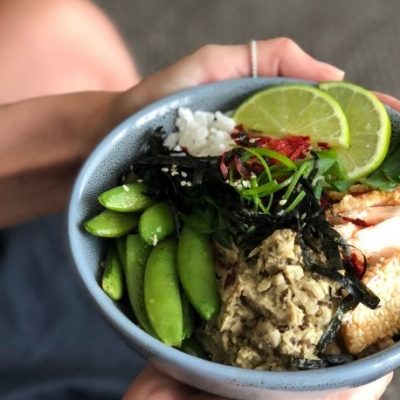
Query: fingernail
x=334 y=73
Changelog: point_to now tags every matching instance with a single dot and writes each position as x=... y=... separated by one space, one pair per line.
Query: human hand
x=152 y=384
x=276 y=57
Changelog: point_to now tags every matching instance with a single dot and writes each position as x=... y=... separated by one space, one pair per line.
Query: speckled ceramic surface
x=101 y=171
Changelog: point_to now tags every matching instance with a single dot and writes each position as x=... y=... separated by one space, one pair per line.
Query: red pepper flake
x=323 y=145
x=229 y=279
x=240 y=168
x=294 y=147
x=359 y=266
x=223 y=167
x=356 y=221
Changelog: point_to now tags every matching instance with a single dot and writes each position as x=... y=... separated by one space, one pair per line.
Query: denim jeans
x=53 y=342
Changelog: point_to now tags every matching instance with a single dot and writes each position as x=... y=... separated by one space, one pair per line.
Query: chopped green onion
x=295 y=178
x=275 y=155
x=296 y=201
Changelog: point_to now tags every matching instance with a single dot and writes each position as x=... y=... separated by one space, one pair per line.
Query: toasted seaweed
x=294 y=362
x=349 y=303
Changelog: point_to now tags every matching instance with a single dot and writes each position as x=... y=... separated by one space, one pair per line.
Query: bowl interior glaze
x=102 y=170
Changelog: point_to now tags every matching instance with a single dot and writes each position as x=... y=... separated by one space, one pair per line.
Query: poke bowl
x=295 y=377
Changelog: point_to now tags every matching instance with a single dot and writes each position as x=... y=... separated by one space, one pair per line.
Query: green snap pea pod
x=156 y=223
x=161 y=293
x=197 y=272
x=121 y=250
x=188 y=322
x=130 y=197
x=193 y=347
x=111 y=224
x=112 y=279
x=137 y=252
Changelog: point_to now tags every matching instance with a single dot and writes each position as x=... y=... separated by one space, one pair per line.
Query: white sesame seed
x=183 y=183
x=174 y=173
x=164 y=169
x=282 y=202
x=189 y=184
x=139 y=180
x=183 y=174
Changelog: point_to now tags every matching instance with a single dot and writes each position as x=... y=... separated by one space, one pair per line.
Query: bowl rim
x=352 y=374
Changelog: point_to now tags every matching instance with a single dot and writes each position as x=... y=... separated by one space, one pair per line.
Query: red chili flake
x=359 y=266
x=356 y=221
x=323 y=145
x=230 y=278
x=325 y=201
x=294 y=147
x=240 y=168
x=223 y=167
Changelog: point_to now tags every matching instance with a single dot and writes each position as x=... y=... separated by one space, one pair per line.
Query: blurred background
x=362 y=37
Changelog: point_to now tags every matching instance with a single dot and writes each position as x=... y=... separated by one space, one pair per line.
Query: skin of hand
x=152 y=384
x=277 y=57
x=42 y=151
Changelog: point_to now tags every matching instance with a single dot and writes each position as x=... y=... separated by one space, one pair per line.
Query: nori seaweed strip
x=337 y=359
x=348 y=303
x=304 y=363
x=321 y=238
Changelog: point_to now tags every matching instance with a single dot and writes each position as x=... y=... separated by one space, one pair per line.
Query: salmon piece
x=378 y=238
x=371 y=223
x=364 y=327
x=360 y=202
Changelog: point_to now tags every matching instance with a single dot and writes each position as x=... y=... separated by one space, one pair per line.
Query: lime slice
x=369 y=125
x=295 y=110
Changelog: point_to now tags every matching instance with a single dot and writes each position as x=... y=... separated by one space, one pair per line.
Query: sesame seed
x=189 y=184
x=174 y=173
x=164 y=169
x=183 y=183
x=282 y=202
x=183 y=174
x=139 y=180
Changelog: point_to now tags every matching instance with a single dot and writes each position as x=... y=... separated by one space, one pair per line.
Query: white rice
x=201 y=133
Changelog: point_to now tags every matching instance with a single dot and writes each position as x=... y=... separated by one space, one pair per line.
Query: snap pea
x=121 y=250
x=137 y=252
x=112 y=279
x=193 y=347
x=197 y=272
x=188 y=322
x=156 y=223
x=111 y=224
x=161 y=293
x=129 y=197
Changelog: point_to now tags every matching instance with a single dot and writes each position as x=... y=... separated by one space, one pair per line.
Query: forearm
x=43 y=142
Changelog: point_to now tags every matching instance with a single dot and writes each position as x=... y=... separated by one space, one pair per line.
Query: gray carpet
x=361 y=36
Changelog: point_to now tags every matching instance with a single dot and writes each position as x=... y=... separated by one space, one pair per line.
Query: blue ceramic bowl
x=102 y=170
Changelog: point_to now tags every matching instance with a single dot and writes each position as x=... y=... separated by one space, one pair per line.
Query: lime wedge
x=295 y=110
x=369 y=125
